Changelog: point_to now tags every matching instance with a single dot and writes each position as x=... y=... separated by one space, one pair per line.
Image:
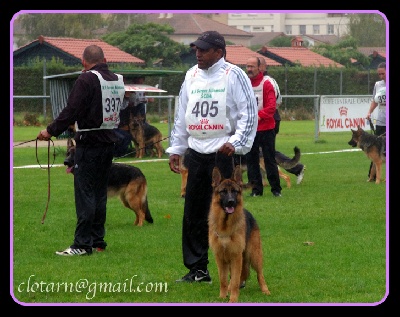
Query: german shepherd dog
x=234 y=236
x=127 y=181
x=281 y=164
x=184 y=174
x=145 y=136
x=374 y=148
x=241 y=160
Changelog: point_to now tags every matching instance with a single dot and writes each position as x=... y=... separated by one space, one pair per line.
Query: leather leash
x=48 y=172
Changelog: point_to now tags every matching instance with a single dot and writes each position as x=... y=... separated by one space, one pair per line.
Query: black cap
x=209 y=39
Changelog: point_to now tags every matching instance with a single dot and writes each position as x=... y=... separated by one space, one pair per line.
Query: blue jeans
x=124 y=140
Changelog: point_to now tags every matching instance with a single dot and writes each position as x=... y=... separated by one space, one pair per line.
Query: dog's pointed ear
x=237 y=175
x=70 y=143
x=216 y=177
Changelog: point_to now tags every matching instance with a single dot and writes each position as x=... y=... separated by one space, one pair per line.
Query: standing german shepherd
x=374 y=148
x=127 y=181
x=144 y=136
x=234 y=236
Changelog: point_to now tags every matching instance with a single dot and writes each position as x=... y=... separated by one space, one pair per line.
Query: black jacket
x=84 y=105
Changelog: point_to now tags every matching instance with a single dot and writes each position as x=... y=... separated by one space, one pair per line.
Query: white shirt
x=381 y=101
x=241 y=112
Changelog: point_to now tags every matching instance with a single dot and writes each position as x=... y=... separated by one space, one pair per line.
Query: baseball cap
x=209 y=39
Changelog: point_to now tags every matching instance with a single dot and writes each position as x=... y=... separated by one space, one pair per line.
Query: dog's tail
x=147 y=214
x=293 y=162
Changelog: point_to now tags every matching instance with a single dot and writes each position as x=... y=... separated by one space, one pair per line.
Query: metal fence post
x=169 y=119
x=316 y=116
x=44 y=90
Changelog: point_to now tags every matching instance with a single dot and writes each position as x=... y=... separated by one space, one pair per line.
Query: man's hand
x=174 y=163
x=227 y=149
x=44 y=135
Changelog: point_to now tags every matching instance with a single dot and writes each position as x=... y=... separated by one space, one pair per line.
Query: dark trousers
x=197 y=205
x=266 y=141
x=92 y=168
x=379 y=130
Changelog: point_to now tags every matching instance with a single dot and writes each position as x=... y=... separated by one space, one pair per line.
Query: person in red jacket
x=265 y=136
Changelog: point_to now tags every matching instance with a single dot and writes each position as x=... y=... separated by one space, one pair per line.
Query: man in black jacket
x=93 y=106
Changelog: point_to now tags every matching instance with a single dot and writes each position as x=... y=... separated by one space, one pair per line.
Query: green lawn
x=335 y=208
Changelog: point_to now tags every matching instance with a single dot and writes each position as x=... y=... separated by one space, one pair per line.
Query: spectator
x=141 y=100
x=299 y=169
x=265 y=136
x=230 y=106
x=123 y=131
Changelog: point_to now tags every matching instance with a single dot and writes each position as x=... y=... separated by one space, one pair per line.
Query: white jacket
x=241 y=112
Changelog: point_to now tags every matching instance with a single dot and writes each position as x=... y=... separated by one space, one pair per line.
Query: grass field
x=335 y=208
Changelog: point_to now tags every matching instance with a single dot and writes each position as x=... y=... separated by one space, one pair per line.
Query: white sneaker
x=301 y=175
x=72 y=251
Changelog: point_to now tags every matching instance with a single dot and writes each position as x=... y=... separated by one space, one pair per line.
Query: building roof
x=75 y=47
x=263 y=38
x=297 y=55
x=239 y=54
x=330 y=39
x=188 y=24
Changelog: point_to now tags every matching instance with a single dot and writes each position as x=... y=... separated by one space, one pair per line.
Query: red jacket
x=266 y=119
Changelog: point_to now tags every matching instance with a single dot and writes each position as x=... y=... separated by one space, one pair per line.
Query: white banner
x=342 y=113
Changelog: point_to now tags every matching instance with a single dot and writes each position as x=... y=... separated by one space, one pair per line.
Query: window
x=288 y=29
x=246 y=28
x=258 y=28
x=302 y=29
x=315 y=29
x=331 y=29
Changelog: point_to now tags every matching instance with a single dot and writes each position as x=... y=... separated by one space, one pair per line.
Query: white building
x=288 y=23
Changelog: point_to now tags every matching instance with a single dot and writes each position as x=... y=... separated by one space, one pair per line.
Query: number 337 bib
x=206 y=109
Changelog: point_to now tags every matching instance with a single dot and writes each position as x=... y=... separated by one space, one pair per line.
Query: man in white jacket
x=216 y=118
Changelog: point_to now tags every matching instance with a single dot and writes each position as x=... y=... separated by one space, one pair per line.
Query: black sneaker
x=276 y=194
x=255 y=194
x=196 y=276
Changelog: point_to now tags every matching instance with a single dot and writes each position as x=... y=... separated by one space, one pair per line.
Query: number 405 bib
x=206 y=110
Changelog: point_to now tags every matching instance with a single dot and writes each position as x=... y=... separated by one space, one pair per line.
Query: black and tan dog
x=126 y=181
x=374 y=148
x=144 y=136
x=234 y=236
x=241 y=160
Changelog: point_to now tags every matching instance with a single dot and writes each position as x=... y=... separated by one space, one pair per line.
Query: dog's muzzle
x=69 y=165
x=352 y=143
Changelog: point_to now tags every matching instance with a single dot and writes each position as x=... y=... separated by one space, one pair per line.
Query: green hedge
x=291 y=80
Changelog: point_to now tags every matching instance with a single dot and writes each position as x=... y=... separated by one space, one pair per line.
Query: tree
x=344 y=52
x=148 y=42
x=119 y=22
x=281 y=41
x=60 y=25
x=368 y=29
